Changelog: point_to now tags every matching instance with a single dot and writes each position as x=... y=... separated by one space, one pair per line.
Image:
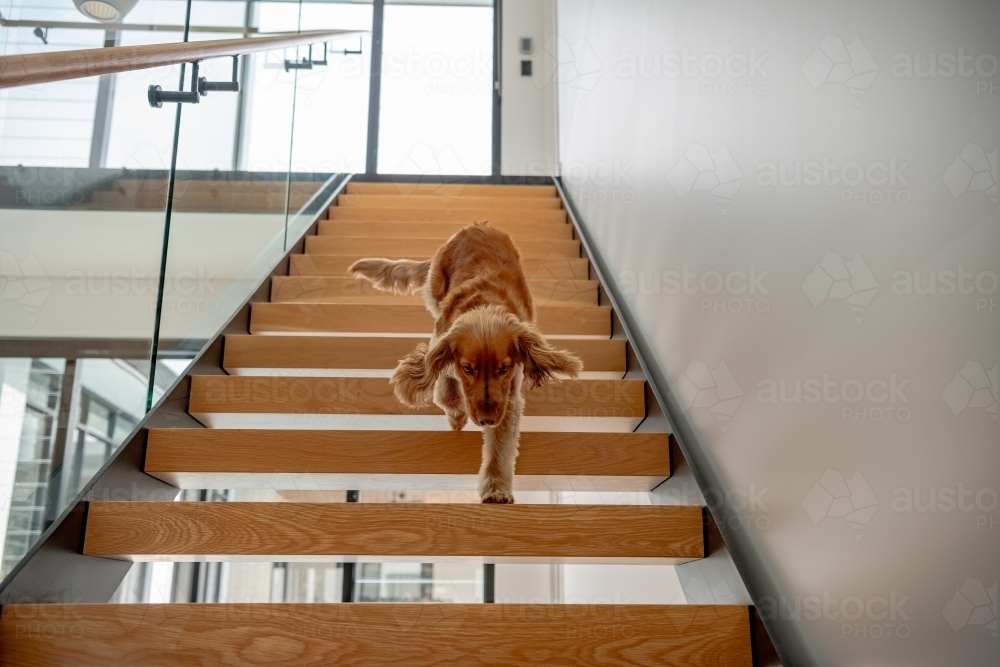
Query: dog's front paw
x=457 y=423
x=498 y=498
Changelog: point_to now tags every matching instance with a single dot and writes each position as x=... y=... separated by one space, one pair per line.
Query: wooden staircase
x=306 y=405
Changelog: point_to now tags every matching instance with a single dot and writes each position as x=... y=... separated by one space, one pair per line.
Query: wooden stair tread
x=411 y=319
x=201 y=458
x=442 y=230
x=269 y=394
x=346 y=352
x=379 y=247
x=437 y=201
x=554 y=266
x=464 y=215
x=451 y=189
x=322 y=289
x=153 y=530
x=417 y=635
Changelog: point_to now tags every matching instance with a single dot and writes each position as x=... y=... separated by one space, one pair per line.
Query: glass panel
x=436 y=114
x=331 y=108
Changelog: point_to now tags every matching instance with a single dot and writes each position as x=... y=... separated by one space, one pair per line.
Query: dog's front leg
x=448 y=396
x=500 y=442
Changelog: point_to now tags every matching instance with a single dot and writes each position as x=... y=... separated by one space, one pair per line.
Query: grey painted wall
x=799 y=203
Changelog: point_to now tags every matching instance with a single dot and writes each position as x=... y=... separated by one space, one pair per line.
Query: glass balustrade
x=129 y=235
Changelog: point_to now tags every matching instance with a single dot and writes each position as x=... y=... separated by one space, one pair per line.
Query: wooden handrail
x=25 y=70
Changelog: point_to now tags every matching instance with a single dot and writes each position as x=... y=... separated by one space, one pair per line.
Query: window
x=26 y=519
x=436 y=108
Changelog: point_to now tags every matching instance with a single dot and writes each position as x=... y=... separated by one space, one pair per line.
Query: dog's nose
x=487 y=422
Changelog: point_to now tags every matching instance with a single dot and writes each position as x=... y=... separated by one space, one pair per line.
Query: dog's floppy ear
x=542 y=362
x=414 y=377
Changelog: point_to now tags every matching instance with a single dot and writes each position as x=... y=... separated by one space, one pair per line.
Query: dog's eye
x=504 y=369
x=467 y=369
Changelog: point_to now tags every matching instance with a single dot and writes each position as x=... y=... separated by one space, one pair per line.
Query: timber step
x=244 y=401
x=437 y=202
x=203 y=458
x=312 y=318
x=451 y=189
x=320 y=289
x=552 y=267
x=416 y=635
x=440 y=230
x=463 y=215
x=379 y=247
x=260 y=355
x=153 y=530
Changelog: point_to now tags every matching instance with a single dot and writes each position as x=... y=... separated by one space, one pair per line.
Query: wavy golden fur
x=485 y=346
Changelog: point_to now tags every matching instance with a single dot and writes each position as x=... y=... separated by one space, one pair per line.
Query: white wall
x=686 y=160
x=528 y=144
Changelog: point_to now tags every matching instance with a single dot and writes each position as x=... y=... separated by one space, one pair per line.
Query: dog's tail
x=399 y=276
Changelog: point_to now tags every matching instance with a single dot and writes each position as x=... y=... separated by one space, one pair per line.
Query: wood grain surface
x=451 y=189
x=372 y=635
x=328 y=352
x=153 y=530
x=552 y=320
x=555 y=267
x=320 y=289
x=328 y=459
x=380 y=247
x=463 y=215
x=442 y=230
x=432 y=201
x=302 y=395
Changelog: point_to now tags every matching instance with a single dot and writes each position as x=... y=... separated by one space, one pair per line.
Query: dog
x=485 y=347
